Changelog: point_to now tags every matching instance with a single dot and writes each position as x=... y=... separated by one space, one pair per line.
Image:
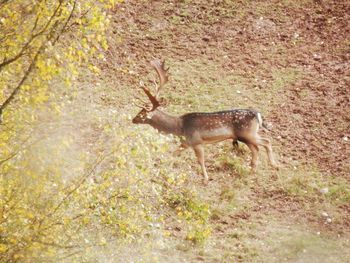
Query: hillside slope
x=289 y=59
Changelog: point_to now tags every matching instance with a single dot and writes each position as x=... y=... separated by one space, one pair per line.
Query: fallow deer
x=198 y=128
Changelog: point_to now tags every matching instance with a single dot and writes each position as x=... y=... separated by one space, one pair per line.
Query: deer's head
x=148 y=109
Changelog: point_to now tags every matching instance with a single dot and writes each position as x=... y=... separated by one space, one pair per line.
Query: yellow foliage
x=40 y=50
x=46 y=208
x=3 y=248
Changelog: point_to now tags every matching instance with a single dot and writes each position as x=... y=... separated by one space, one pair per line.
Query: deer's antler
x=154 y=101
x=163 y=78
x=159 y=66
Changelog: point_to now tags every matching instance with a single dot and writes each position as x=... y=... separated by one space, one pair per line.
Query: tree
x=33 y=43
x=42 y=43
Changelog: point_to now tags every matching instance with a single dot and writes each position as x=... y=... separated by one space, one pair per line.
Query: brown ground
x=313 y=119
x=253 y=40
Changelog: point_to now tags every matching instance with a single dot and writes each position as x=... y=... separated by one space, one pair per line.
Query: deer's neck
x=166 y=123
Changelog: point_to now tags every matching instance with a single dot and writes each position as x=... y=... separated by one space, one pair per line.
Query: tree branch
x=82 y=180
x=33 y=37
x=3 y=3
x=19 y=85
x=32 y=64
x=66 y=23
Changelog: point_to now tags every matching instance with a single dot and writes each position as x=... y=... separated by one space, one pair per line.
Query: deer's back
x=216 y=126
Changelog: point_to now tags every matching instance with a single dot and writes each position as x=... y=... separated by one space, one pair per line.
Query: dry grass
x=265 y=217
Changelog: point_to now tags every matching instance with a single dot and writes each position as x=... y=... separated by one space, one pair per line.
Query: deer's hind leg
x=266 y=143
x=255 y=151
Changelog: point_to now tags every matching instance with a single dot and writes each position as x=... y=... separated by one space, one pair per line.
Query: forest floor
x=288 y=59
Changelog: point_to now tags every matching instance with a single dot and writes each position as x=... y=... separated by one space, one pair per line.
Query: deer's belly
x=215 y=135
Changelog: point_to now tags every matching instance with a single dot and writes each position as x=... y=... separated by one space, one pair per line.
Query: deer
x=196 y=129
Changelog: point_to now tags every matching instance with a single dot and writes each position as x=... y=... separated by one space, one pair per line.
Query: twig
x=83 y=179
x=32 y=64
x=26 y=45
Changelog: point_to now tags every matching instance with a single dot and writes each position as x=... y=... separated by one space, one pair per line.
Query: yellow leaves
x=93 y=51
x=67 y=81
x=111 y=3
x=94 y=69
x=12 y=241
x=18 y=256
x=103 y=242
x=3 y=248
x=66 y=220
x=50 y=251
x=167 y=233
x=198 y=235
x=57 y=108
x=30 y=215
x=123 y=201
x=47 y=68
x=73 y=71
x=26 y=87
x=21 y=20
x=170 y=180
x=40 y=98
x=69 y=54
x=104 y=44
x=99 y=37
x=85 y=44
x=86 y=220
x=122 y=196
x=3 y=21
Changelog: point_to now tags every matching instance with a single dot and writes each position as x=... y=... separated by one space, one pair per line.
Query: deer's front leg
x=199 y=151
x=183 y=146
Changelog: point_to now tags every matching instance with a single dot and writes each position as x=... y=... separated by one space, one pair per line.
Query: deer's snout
x=136 y=120
x=140 y=117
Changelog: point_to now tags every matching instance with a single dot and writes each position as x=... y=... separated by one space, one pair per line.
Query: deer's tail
x=260 y=121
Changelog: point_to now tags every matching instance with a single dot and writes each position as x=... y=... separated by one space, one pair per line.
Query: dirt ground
x=298 y=51
x=312 y=37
